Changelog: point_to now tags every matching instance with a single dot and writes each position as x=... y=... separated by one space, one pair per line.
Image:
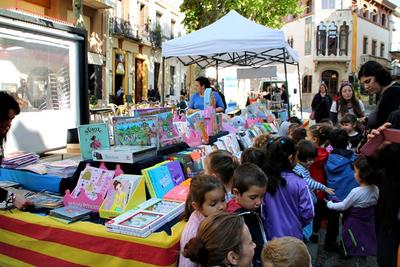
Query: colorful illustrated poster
x=135 y=131
x=93 y=136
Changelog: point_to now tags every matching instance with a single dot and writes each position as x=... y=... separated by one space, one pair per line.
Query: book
x=45 y=200
x=6 y=183
x=389 y=135
x=94 y=182
x=93 y=136
x=70 y=213
x=179 y=192
x=176 y=172
x=168 y=135
x=120 y=191
x=124 y=154
x=135 y=131
x=160 y=181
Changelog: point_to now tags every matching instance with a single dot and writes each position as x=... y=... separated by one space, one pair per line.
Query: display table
x=32 y=181
x=29 y=239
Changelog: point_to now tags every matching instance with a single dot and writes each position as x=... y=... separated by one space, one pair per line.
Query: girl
x=287 y=205
x=347 y=103
x=349 y=124
x=358 y=231
x=253 y=155
x=206 y=197
x=223 y=239
x=320 y=104
x=222 y=164
x=319 y=134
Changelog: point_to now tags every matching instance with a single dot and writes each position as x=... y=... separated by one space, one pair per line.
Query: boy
x=249 y=187
x=340 y=177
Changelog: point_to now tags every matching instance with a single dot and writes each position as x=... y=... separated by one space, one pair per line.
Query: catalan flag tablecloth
x=31 y=240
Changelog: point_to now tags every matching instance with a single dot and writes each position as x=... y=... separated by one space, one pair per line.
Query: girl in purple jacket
x=287 y=206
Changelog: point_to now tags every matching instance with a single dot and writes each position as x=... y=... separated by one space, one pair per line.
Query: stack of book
x=70 y=214
x=147 y=218
x=45 y=200
x=63 y=168
x=18 y=159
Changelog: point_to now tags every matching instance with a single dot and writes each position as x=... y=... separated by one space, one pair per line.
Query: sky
x=396 y=2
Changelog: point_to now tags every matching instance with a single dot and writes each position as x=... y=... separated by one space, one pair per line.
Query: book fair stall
x=120 y=203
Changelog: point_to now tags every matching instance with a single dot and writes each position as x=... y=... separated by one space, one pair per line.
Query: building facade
x=336 y=38
x=124 y=43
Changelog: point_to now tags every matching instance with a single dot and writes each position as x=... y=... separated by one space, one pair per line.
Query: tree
x=199 y=14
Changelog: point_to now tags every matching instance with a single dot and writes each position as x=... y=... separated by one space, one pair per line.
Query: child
x=340 y=176
x=261 y=140
x=285 y=251
x=249 y=186
x=298 y=134
x=222 y=164
x=306 y=152
x=287 y=206
x=318 y=134
x=206 y=197
x=253 y=155
x=358 y=232
x=349 y=124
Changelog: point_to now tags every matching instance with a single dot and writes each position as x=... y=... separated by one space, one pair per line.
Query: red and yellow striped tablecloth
x=31 y=240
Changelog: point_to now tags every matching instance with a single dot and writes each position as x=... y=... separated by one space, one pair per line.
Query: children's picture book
x=6 y=183
x=71 y=213
x=141 y=220
x=124 y=154
x=160 y=180
x=179 y=192
x=120 y=191
x=176 y=172
x=45 y=200
x=167 y=133
x=135 y=131
x=93 y=136
x=94 y=181
x=196 y=122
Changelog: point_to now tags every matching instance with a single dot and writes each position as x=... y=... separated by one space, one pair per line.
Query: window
x=330 y=78
x=172 y=80
x=374 y=16
x=328 y=4
x=365 y=11
x=321 y=39
x=173 y=29
x=365 y=45
x=373 y=47
x=307 y=84
x=158 y=19
x=332 y=39
x=308 y=35
x=290 y=41
x=308 y=8
x=383 y=20
x=344 y=39
x=382 y=50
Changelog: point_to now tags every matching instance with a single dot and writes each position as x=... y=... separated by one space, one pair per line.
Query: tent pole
x=216 y=68
x=300 y=91
x=286 y=83
x=163 y=83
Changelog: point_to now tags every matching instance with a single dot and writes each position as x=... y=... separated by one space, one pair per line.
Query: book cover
x=120 y=191
x=45 y=200
x=135 y=131
x=93 y=181
x=70 y=212
x=167 y=132
x=141 y=220
x=179 y=193
x=176 y=172
x=124 y=154
x=387 y=135
x=6 y=183
x=160 y=180
x=93 y=136
x=164 y=206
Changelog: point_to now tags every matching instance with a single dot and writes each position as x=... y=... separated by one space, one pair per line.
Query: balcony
x=144 y=32
x=381 y=60
x=122 y=28
x=100 y=4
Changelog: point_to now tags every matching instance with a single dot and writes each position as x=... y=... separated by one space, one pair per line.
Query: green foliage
x=199 y=14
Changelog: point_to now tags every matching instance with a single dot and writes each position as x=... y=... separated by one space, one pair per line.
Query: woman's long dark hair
x=277 y=160
x=7 y=103
x=355 y=103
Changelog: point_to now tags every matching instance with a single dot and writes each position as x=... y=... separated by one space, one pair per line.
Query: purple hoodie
x=289 y=210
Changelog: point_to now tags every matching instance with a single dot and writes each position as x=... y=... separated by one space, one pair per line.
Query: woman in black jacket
x=321 y=104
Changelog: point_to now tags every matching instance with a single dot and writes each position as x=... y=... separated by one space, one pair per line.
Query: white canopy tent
x=232 y=40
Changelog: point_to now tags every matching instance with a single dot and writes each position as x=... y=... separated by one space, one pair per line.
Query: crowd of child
x=282 y=189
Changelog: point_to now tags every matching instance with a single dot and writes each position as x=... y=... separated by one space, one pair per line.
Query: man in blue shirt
x=197 y=99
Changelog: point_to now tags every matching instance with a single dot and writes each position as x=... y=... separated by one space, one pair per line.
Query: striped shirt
x=304 y=173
